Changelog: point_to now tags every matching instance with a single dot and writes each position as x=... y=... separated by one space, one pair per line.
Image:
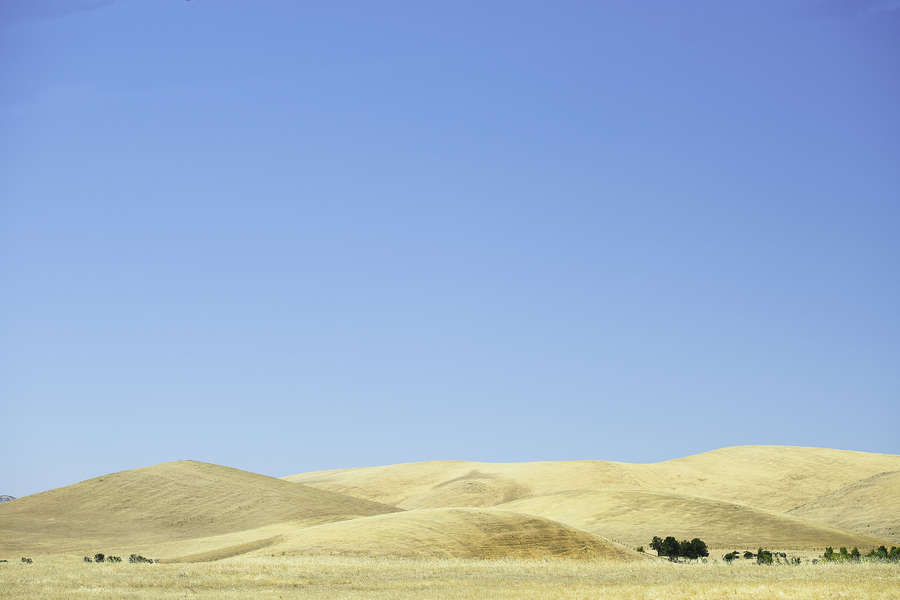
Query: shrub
x=748 y=554
x=99 y=557
x=730 y=556
x=137 y=558
x=640 y=548
x=27 y=560
x=88 y=559
x=764 y=557
x=114 y=559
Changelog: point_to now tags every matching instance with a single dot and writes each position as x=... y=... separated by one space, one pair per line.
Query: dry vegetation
x=460 y=529
x=346 y=577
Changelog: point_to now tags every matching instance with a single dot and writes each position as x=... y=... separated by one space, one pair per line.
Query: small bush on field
x=99 y=557
x=748 y=554
x=730 y=556
x=764 y=557
x=137 y=558
x=88 y=559
x=640 y=548
x=27 y=560
x=880 y=554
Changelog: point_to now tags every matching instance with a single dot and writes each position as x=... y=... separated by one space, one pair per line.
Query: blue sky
x=291 y=236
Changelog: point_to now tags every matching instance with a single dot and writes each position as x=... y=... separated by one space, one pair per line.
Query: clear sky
x=287 y=236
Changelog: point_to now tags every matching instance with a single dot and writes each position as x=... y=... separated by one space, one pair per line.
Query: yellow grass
x=743 y=494
x=379 y=578
x=871 y=506
x=458 y=529
x=452 y=533
x=171 y=501
x=634 y=517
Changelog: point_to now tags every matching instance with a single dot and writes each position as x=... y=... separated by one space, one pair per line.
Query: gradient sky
x=289 y=236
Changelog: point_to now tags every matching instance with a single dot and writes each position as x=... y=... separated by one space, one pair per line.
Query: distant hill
x=166 y=502
x=793 y=497
x=780 y=497
x=871 y=505
x=6 y=499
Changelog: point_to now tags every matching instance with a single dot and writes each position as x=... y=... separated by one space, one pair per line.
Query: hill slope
x=634 y=517
x=871 y=505
x=772 y=477
x=171 y=501
x=758 y=480
x=451 y=533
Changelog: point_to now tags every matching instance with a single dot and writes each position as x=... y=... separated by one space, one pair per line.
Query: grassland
x=460 y=529
x=376 y=578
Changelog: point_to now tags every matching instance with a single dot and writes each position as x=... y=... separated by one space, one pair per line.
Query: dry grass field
x=459 y=529
x=380 y=578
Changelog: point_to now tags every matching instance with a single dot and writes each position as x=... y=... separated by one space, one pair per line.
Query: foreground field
x=343 y=577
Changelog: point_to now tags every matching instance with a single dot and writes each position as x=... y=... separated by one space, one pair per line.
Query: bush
x=640 y=548
x=27 y=560
x=99 y=557
x=764 y=557
x=88 y=559
x=114 y=559
x=748 y=554
x=137 y=558
x=730 y=556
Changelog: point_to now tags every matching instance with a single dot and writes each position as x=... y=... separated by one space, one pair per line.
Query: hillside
x=748 y=488
x=634 y=517
x=871 y=505
x=166 y=502
x=452 y=533
x=772 y=477
x=744 y=497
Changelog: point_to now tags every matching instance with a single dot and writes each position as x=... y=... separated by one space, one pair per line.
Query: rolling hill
x=871 y=505
x=452 y=533
x=634 y=517
x=784 y=498
x=170 y=501
x=745 y=490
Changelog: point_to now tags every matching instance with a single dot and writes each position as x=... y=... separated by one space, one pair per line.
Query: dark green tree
x=698 y=547
x=670 y=547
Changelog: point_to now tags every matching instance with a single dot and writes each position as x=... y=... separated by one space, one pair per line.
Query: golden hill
x=745 y=486
x=424 y=533
x=634 y=517
x=772 y=477
x=451 y=533
x=783 y=498
x=871 y=505
x=171 y=501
